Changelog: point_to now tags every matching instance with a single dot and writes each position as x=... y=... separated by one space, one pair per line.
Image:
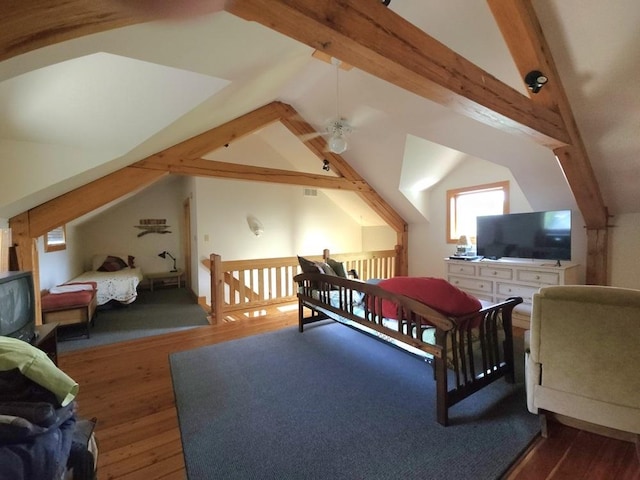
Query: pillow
x=112 y=264
x=98 y=259
x=437 y=293
x=308 y=266
x=326 y=269
x=338 y=267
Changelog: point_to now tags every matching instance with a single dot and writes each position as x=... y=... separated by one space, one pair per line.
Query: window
x=465 y=204
x=55 y=240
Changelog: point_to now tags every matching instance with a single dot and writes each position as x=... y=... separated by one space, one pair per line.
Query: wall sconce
x=535 y=80
x=255 y=225
x=165 y=254
x=325 y=165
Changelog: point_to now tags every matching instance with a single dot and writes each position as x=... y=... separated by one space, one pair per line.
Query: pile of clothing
x=41 y=436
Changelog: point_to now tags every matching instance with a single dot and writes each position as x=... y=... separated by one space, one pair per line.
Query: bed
x=117 y=279
x=467 y=351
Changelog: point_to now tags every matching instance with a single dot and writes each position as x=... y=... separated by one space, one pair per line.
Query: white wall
x=378 y=238
x=624 y=261
x=427 y=242
x=114 y=231
x=58 y=267
x=293 y=224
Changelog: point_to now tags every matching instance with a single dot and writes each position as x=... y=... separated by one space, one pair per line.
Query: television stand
x=46 y=339
x=497 y=280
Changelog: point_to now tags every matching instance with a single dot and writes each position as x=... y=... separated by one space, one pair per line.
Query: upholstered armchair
x=583 y=356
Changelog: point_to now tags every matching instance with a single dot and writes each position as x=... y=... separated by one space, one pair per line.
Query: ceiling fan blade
x=309 y=136
x=365 y=115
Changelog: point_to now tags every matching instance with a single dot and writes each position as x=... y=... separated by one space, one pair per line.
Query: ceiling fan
x=337 y=128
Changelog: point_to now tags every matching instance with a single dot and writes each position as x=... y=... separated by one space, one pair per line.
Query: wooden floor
x=127 y=386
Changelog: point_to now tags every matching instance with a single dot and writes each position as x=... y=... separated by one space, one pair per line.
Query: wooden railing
x=249 y=288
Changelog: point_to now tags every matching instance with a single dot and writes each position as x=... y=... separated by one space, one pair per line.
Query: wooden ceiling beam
x=225 y=134
x=369 y=36
x=27 y=26
x=523 y=34
x=33 y=24
x=211 y=168
x=363 y=33
x=318 y=146
x=89 y=197
x=185 y=159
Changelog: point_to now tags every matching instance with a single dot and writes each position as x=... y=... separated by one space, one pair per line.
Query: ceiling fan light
x=337 y=144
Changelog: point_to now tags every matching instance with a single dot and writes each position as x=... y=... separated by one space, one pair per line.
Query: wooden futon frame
x=464 y=359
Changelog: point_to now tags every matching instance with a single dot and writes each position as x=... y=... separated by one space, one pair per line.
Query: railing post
x=399 y=261
x=217 y=288
x=325 y=254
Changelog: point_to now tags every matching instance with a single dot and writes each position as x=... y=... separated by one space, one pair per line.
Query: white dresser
x=497 y=280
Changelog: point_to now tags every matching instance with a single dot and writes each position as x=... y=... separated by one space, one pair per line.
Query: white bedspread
x=120 y=286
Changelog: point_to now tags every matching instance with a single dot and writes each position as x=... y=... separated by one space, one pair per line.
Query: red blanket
x=437 y=293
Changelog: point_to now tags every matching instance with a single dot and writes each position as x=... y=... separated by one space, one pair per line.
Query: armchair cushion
x=584 y=354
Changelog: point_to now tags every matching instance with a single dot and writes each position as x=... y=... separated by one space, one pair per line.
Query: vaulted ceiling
x=79 y=109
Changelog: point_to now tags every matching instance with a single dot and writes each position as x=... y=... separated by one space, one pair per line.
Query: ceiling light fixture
x=535 y=80
x=338 y=129
x=325 y=165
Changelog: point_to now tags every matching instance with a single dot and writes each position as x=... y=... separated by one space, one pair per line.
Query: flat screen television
x=537 y=235
x=17 y=305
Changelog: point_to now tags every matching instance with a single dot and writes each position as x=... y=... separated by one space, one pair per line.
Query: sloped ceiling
x=52 y=143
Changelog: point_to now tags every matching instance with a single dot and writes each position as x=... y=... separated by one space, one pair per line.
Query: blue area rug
x=333 y=403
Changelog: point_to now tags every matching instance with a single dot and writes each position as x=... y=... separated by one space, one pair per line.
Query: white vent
x=310 y=192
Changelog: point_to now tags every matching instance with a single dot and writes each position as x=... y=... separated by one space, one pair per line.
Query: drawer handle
x=537 y=277
x=481 y=285
x=456 y=282
x=495 y=273
x=461 y=269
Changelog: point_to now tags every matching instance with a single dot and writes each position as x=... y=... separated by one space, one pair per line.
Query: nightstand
x=165 y=276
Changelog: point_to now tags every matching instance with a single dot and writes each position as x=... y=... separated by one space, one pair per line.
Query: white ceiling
x=78 y=110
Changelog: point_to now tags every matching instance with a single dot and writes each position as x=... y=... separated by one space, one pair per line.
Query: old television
x=17 y=305
x=532 y=235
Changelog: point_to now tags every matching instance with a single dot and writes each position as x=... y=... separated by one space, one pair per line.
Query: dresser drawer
x=510 y=290
x=501 y=273
x=461 y=269
x=543 y=278
x=472 y=284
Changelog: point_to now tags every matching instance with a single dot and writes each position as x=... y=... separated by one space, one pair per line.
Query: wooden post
x=217 y=288
x=597 y=253
x=399 y=261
